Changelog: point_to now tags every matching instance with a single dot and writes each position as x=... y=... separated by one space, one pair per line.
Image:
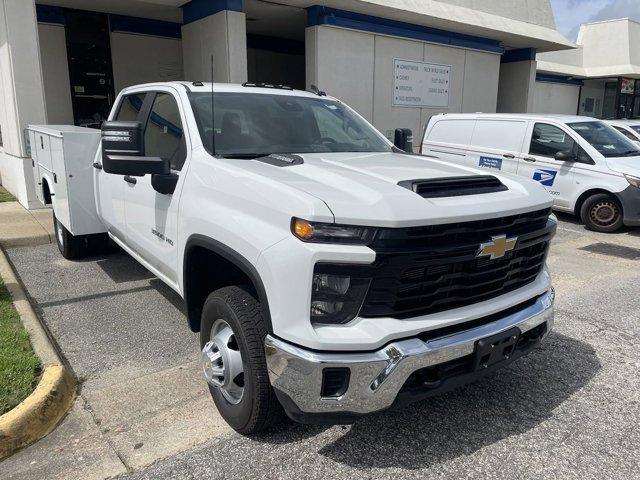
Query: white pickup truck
x=329 y=273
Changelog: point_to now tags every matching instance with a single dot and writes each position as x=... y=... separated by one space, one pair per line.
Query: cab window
x=130 y=107
x=164 y=134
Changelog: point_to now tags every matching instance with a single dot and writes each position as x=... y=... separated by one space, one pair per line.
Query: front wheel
x=602 y=213
x=232 y=333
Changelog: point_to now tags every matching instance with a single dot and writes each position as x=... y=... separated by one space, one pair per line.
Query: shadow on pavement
x=510 y=402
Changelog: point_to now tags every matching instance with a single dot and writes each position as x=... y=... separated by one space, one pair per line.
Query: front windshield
x=606 y=139
x=254 y=124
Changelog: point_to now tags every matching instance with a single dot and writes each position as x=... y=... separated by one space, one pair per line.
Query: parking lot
x=571 y=409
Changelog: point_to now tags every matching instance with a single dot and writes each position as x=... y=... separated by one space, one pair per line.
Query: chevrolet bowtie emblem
x=497 y=247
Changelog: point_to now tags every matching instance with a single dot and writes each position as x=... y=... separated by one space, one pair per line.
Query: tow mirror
x=404 y=139
x=123 y=151
x=565 y=156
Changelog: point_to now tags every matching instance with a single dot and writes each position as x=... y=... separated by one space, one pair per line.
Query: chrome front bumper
x=377 y=377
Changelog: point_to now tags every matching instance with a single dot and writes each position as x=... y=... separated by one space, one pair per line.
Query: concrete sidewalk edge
x=41 y=411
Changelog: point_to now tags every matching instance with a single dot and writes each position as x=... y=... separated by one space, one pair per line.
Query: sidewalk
x=20 y=227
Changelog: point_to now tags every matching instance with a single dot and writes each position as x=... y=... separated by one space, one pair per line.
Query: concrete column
x=223 y=35
x=22 y=99
x=517 y=81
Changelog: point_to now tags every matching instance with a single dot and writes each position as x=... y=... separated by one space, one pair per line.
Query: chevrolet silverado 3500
x=329 y=273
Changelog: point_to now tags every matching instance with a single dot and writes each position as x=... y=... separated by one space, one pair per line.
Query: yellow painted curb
x=39 y=413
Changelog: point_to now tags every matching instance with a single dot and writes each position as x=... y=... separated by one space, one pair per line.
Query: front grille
x=424 y=270
x=455 y=186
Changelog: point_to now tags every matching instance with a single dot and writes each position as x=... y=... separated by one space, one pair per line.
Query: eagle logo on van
x=545 y=177
x=497 y=247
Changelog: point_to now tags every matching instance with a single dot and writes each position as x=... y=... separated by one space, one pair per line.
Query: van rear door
x=448 y=138
x=496 y=144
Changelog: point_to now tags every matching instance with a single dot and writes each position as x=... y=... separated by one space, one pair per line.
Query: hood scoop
x=454 y=186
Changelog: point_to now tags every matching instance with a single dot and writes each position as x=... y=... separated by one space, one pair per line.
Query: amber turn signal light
x=302 y=229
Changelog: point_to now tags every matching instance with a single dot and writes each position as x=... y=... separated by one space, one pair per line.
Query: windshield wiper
x=247 y=156
x=631 y=153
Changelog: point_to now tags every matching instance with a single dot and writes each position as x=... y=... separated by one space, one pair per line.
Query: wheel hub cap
x=222 y=362
x=604 y=213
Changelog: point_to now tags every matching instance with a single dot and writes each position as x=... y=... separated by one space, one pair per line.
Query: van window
x=629 y=135
x=547 y=140
x=505 y=135
x=606 y=139
x=452 y=131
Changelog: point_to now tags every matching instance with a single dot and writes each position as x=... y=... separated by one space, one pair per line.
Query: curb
x=41 y=411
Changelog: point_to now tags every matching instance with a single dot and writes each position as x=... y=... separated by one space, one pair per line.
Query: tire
x=602 y=213
x=70 y=246
x=256 y=409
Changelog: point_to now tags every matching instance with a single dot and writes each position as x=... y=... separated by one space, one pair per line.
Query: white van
x=629 y=128
x=588 y=167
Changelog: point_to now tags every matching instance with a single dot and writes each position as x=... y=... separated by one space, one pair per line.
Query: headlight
x=336 y=298
x=331 y=233
x=633 y=181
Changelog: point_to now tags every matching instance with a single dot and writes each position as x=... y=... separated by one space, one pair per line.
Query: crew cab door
x=151 y=216
x=109 y=187
x=538 y=162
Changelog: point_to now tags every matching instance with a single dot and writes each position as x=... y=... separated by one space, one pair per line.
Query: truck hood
x=362 y=189
x=625 y=165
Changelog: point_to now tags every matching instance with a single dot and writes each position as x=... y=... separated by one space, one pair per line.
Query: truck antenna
x=213 y=117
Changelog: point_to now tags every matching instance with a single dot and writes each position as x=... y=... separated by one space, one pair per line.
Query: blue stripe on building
x=145 y=26
x=197 y=9
x=50 y=14
x=320 y=15
x=544 y=77
x=519 y=55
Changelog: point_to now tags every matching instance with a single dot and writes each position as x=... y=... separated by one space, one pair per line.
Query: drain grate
x=613 y=250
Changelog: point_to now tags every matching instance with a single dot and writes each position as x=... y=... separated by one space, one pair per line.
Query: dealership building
x=600 y=78
x=397 y=62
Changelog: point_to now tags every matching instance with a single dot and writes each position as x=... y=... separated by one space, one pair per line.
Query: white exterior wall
x=559 y=98
x=55 y=72
x=593 y=89
x=516 y=86
x=223 y=35
x=362 y=75
x=21 y=95
x=142 y=59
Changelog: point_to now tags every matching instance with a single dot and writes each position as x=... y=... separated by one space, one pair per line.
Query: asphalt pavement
x=571 y=409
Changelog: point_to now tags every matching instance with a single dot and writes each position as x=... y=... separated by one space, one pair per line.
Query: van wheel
x=232 y=333
x=602 y=213
x=70 y=246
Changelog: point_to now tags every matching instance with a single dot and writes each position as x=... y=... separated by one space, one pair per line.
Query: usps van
x=587 y=166
x=629 y=128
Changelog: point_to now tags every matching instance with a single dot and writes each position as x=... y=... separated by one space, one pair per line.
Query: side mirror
x=123 y=151
x=404 y=139
x=565 y=156
x=164 y=184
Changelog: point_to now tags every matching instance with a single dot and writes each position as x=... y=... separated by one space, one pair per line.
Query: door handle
x=130 y=180
x=508 y=155
x=529 y=159
x=97 y=165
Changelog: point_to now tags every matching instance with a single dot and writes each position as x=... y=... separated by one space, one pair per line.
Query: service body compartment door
x=37 y=178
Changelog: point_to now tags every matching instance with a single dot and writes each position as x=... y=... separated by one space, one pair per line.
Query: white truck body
x=242 y=210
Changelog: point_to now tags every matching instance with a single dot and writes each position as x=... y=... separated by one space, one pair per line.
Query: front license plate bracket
x=496 y=348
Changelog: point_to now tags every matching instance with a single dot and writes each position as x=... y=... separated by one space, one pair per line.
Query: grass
x=19 y=366
x=6 y=196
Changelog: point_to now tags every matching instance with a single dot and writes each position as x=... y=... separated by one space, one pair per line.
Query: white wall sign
x=420 y=84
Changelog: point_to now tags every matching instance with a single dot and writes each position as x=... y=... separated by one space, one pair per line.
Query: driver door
x=538 y=163
x=152 y=217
